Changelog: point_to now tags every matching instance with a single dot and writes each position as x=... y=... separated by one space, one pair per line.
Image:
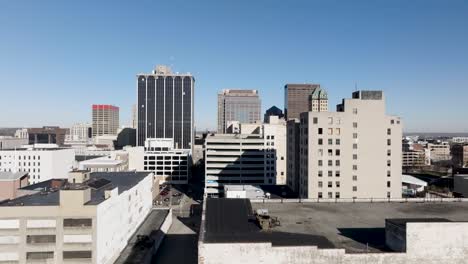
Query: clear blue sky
x=59 y=57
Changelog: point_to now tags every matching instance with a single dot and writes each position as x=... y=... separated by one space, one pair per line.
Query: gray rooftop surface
x=123 y=180
x=9 y=176
x=357 y=227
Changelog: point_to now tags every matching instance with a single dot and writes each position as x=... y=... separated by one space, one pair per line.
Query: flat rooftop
x=99 y=182
x=358 y=227
x=233 y=221
x=11 y=176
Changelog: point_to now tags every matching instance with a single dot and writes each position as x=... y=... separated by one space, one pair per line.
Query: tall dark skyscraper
x=300 y=98
x=165 y=107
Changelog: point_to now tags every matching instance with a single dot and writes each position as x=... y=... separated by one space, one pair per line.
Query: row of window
x=330 y=141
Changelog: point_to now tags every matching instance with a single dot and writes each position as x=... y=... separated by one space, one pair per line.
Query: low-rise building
x=439 y=152
x=87 y=220
x=42 y=162
x=10 y=182
x=114 y=162
x=12 y=142
x=47 y=135
x=159 y=156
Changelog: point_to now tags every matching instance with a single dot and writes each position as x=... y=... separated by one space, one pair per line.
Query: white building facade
x=41 y=163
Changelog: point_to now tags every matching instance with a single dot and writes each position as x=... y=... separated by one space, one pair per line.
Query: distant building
x=10 y=182
x=22 y=133
x=134 y=117
x=272 y=111
x=159 y=156
x=238 y=105
x=105 y=120
x=41 y=163
x=12 y=142
x=126 y=137
x=47 y=135
x=300 y=98
x=415 y=155
x=460 y=140
x=439 y=152
x=79 y=133
x=460 y=155
x=352 y=153
x=165 y=102
x=87 y=219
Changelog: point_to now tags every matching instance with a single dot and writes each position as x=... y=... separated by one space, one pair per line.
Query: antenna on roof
x=355 y=87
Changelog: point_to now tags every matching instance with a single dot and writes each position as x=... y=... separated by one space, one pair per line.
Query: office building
x=352 y=153
x=105 y=120
x=277 y=231
x=299 y=98
x=47 y=135
x=159 y=157
x=272 y=111
x=415 y=155
x=165 y=107
x=83 y=218
x=243 y=106
x=116 y=161
x=255 y=156
x=460 y=140
x=42 y=163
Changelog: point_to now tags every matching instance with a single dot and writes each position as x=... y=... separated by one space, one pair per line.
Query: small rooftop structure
x=12 y=176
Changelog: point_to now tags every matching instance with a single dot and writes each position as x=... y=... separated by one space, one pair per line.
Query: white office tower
x=254 y=156
x=352 y=153
x=42 y=161
x=79 y=133
x=159 y=156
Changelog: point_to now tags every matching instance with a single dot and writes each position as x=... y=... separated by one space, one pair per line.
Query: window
x=389 y=173
x=388 y=184
x=354 y=156
x=389 y=195
x=337 y=195
x=272 y=137
x=320 y=163
x=354 y=146
x=77 y=254
x=330 y=152
x=354 y=167
x=320 y=195
x=337 y=152
x=320 y=141
x=320 y=184
x=389 y=163
x=330 y=195
x=320 y=131
x=389 y=152
x=330 y=141
x=320 y=152
x=40 y=239
x=330 y=173
x=330 y=184
x=355 y=135
x=354 y=124
x=389 y=142
x=354 y=177
x=337 y=131
x=337 y=163
x=355 y=111
x=78 y=222
x=338 y=141
x=337 y=173
x=389 y=131
x=320 y=173
x=337 y=184
x=268 y=137
x=315 y=120
x=330 y=162
x=354 y=188
x=392 y=121
x=330 y=131
x=40 y=255
x=330 y=120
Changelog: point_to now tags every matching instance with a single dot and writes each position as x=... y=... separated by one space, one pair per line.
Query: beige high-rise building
x=352 y=153
x=105 y=120
x=243 y=106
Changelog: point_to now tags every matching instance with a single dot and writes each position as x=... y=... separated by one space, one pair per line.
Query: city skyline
x=415 y=52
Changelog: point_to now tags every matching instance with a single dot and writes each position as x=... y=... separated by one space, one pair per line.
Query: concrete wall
x=118 y=218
